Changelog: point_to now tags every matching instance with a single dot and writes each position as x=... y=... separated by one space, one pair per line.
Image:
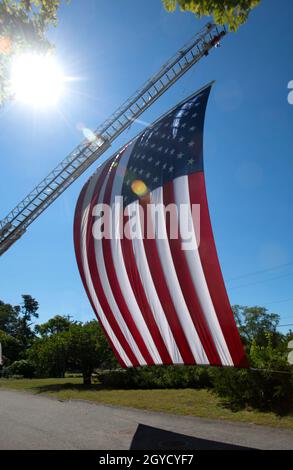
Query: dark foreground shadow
x=149 y=438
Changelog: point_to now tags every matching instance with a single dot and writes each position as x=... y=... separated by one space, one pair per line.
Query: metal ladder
x=13 y=226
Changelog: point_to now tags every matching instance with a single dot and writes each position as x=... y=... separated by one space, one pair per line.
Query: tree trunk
x=87 y=378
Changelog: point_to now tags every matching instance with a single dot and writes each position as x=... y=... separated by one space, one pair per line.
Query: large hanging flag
x=146 y=252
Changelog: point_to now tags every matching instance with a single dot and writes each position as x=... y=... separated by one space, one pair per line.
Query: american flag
x=157 y=302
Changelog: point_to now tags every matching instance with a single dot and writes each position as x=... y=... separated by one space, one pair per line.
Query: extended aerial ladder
x=13 y=226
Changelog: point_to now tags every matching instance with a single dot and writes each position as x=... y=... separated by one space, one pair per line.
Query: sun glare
x=37 y=80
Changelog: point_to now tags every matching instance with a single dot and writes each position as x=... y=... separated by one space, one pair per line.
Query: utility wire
x=262 y=281
x=273 y=268
x=279 y=301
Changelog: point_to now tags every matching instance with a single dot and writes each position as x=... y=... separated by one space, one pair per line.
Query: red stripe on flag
x=186 y=284
x=163 y=293
x=76 y=232
x=212 y=271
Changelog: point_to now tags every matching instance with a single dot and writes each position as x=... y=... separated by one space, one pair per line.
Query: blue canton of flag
x=171 y=147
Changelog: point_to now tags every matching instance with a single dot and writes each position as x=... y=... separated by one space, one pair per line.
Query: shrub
x=22 y=368
x=156 y=377
x=268 y=385
x=5 y=373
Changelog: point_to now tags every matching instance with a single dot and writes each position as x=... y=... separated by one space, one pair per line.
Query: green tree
x=17 y=320
x=26 y=312
x=49 y=355
x=254 y=323
x=11 y=347
x=231 y=12
x=57 y=324
x=23 y=26
x=85 y=349
x=8 y=317
x=71 y=345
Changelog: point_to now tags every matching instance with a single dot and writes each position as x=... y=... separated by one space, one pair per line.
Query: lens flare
x=5 y=45
x=89 y=134
x=36 y=79
x=139 y=188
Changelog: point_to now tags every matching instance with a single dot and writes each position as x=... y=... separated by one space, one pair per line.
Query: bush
x=268 y=385
x=22 y=368
x=156 y=377
x=5 y=373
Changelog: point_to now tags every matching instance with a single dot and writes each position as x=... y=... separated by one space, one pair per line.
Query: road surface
x=38 y=422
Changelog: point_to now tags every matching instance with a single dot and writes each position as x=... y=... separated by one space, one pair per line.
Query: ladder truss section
x=16 y=222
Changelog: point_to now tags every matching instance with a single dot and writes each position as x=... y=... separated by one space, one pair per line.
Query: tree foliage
x=57 y=324
x=24 y=23
x=231 y=12
x=17 y=320
x=22 y=368
x=8 y=318
x=27 y=311
x=85 y=348
x=11 y=347
x=254 y=323
x=49 y=355
x=62 y=345
x=67 y=345
x=268 y=385
x=23 y=26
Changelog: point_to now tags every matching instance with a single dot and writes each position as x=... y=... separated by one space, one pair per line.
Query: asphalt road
x=38 y=422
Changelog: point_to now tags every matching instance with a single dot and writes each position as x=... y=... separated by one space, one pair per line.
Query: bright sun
x=37 y=80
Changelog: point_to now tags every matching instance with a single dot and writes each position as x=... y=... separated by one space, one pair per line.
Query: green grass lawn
x=202 y=403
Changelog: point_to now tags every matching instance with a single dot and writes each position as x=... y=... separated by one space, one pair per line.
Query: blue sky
x=112 y=48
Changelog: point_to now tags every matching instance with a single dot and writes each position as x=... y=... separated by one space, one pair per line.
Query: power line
x=262 y=282
x=279 y=301
x=253 y=273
